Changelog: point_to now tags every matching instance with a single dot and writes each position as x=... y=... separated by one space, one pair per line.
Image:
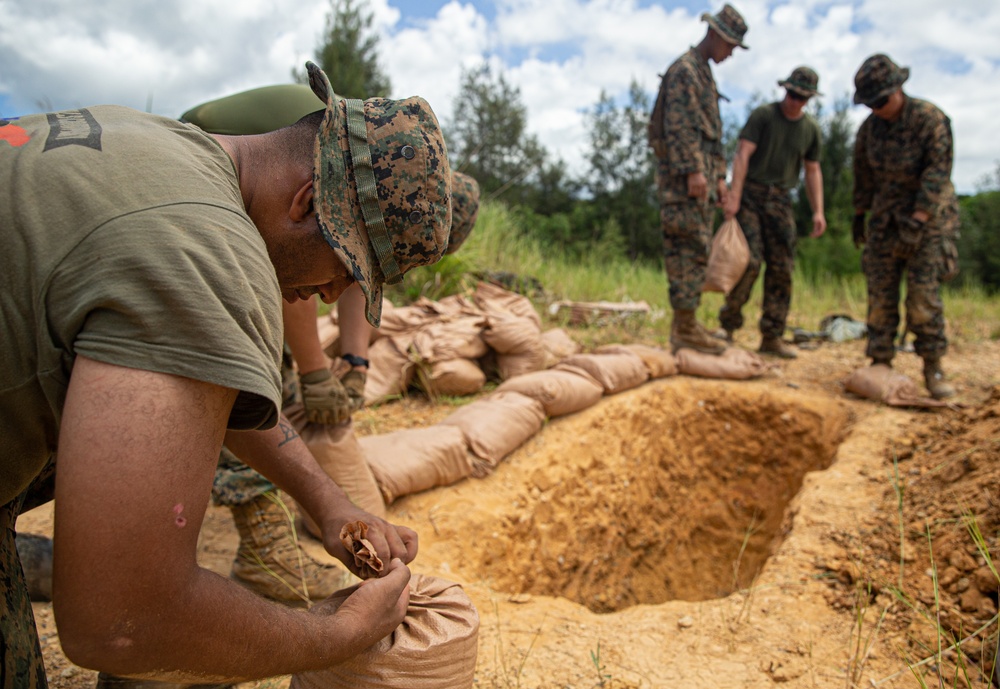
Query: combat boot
x=270 y=561
x=775 y=346
x=686 y=331
x=723 y=334
x=934 y=380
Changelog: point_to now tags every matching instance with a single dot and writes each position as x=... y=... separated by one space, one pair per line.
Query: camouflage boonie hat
x=802 y=81
x=729 y=24
x=878 y=76
x=464 y=209
x=382 y=187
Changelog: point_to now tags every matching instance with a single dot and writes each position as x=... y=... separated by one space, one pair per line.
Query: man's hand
x=354 y=383
x=324 y=397
x=731 y=207
x=388 y=540
x=910 y=231
x=369 y=611
x=859 y=230
x=697 y=185
x=819 y=225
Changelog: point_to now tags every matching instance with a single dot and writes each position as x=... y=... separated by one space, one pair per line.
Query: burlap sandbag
x=882 y=384
x=390 y=371
x=558 y=345
x=733 y=364
x=416 y=459
x=495 y=300
x=456 y=338
x=615 y=372
x=434 y=647
x=561 y=391
x=496 y=425
x=456 y=377
x=518 y=344
x=404 y=320
x=659 y=362
x=728 y=258
x=337 y=451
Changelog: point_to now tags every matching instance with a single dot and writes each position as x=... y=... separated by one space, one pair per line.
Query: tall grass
x=497 y=245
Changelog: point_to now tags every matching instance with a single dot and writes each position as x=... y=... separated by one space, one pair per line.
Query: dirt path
x=696 y=533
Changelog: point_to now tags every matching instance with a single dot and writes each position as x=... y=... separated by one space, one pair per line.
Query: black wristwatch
x=355 y=360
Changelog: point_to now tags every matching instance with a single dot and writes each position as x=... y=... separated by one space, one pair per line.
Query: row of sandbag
x=471 y=441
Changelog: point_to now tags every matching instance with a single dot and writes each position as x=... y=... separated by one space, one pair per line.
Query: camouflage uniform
x=21 y=664
x=768 y=222
x=901 y=167
x=693 y=133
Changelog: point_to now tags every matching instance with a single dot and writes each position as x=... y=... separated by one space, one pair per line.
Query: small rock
x=685 y=622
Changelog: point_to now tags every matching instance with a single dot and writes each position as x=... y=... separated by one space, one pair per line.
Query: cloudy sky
x=165 y=56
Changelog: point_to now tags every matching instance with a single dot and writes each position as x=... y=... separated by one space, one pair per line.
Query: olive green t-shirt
x=256 y=111
x=125 y=240
x=782 y=145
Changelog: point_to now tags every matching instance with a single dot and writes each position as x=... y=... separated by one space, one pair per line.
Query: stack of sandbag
x=659 y=362
x=615 y=371
x=416 y=459
x=882 y=384
x=446 y=355
x=732 y=364
x=434 y=647
x=496 y=425
x=513 y=331
x=560 y=391
x=558 y=345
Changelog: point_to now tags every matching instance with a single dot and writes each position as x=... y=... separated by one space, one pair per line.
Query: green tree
x=621 y=173
x=979 y=240
x=349 y=52
x=488 y=136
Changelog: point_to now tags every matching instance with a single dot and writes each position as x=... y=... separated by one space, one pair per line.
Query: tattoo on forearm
x=289 y=432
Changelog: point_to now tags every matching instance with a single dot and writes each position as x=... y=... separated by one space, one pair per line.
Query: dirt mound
x=930 y=559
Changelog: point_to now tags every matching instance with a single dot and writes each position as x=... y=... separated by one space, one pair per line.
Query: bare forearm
x=302 y=335
x=355 y=332
x=814 y=187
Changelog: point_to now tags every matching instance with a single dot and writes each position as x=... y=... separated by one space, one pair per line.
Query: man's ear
x=302 y=203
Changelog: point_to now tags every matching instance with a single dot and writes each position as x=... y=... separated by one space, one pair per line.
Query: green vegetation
x=503 y=243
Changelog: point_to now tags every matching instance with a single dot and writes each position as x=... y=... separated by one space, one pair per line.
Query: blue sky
x=560 y=53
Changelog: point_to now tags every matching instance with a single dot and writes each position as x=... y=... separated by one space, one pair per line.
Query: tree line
x=611 y=206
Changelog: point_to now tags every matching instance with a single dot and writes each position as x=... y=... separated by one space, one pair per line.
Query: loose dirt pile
x=694 y=533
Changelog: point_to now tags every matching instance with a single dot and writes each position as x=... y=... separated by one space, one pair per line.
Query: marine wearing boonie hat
x=803 y=81
x=382 y=187
x=729 y=24
x=877 y=77
x=464 y=209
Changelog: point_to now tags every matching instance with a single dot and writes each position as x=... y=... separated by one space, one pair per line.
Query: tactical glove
x=910 y=232
x=354 y=383
x=859 y=230
x=324 y=398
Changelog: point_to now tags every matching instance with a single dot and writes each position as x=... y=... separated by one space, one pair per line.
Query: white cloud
x=58 y=53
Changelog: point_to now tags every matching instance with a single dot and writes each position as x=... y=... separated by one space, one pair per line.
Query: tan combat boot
x=269 y=560
x=775 y=346
x=686 y=331
x=934 y=380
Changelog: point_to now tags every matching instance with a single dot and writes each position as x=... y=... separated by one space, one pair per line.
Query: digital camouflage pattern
x=464 y=209
x=395 y=179
x=687 y=238
x=729 y=24
x=803 y=81
x=21 y=662
x=901 y=167
x=693 y=137
x=768 y=222
x=878 y=76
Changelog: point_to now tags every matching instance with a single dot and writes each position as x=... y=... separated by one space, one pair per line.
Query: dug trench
x=675 y=491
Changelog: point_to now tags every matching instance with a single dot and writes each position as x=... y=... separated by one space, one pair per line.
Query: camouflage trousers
x=769 y=225
x=235 y=483
x=687 y=238
x=924 y=309
x=21 y=665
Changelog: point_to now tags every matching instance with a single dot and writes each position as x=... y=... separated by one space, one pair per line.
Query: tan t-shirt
x=125 y=240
